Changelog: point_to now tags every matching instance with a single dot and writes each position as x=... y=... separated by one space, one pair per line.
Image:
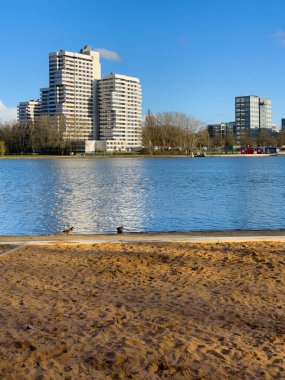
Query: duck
x=120 y=230
x=68 y=231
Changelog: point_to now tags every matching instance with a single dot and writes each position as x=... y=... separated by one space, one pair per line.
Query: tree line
x=173 y=132
x=44 y=135
x=168 y=132
x=264 y=137
x=176 y=132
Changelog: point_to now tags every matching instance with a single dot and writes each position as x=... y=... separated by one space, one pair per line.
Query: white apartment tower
x=90 y=109
x=120 y=112
x=252 y=113
x=29 y=110
x=72 y=91
x=44 y=101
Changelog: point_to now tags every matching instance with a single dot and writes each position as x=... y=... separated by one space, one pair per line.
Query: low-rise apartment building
x=29 y=110
x=221 y=130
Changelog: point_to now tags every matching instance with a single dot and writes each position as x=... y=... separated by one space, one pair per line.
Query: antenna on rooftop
x=86 y=49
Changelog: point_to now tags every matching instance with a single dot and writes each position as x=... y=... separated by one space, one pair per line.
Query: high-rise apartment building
x=120 y=112
x=91 y=109
x=252 y=113
x=72 y=91
x=44 y=101
x=29 y=110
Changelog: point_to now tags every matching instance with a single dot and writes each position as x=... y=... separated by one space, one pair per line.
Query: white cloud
x=279 y=37
x=6 y=113
x=108 y=54
x=279 y=33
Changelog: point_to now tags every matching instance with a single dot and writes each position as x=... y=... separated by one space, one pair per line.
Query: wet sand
x=142 y=310
x=189 y=236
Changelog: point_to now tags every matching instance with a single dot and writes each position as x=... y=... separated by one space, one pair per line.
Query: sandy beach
x=142 y=310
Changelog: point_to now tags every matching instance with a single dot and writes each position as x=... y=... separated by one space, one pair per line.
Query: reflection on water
x=163 y=194
x=100 y=195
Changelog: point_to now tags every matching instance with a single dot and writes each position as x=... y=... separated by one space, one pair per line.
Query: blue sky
x=192 y=56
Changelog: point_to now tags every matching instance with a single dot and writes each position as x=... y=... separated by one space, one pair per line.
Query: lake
x=43 y=196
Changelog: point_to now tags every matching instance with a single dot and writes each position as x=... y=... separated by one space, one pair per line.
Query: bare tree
x=246 y=139
x=149 y=132
x=2 y=148
x=281 y=138
x=265 y=138
x=203 y=137
x=173 y=131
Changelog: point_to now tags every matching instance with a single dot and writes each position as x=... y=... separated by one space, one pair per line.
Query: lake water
x=42 y=196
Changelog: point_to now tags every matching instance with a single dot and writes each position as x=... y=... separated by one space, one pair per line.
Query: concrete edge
x=145 y=239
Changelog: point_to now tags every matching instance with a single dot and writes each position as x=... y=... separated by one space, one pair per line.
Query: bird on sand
x=68 y=231
x=120 y=230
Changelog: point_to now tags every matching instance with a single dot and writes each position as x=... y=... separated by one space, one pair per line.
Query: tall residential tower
x=120 y=112
x=252 y=113
x=72 y=91
x=104 y=112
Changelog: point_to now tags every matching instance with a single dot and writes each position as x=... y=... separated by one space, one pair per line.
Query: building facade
x=252 y=113
x=44 y=101
x=120 y=117
x=72 y=91
x=88 y=108
x=221 y=130
x=29 y=110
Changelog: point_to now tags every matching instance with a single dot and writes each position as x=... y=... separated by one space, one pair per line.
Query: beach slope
x=149 y=310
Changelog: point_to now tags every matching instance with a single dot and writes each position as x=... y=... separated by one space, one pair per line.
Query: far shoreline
x=84 y=156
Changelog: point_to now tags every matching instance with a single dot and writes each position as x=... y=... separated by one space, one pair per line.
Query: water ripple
x=165 y=194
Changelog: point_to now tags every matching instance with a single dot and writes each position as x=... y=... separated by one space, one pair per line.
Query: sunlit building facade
x=73 y=81
x=120 y=112
x=252 y=113
x=44 y=101
x=86 y=107
x=29 y=110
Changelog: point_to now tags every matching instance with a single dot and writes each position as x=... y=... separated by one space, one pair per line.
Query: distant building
x=29 y=110
x=221 y=130
x=274 y=128
x=282 y=124
x=120 y=117
x=252 y=113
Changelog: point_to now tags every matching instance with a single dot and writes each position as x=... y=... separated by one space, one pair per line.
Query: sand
x=143 y=311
